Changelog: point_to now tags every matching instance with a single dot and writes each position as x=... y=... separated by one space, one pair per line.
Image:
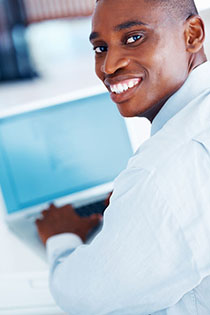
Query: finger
x=95 y=219
x=52 y=206
x=68 y=207
x=44 y=214
x=38 y=222
x=96 y=216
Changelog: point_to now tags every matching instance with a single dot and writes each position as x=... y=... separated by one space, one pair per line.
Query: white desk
x=23 y=278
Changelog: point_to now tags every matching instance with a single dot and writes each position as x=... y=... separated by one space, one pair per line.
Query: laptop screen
x=52 y=152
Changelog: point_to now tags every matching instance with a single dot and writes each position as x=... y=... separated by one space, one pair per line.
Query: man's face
x=140 y=54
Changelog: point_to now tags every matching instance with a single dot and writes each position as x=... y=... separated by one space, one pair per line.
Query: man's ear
x=194 y=34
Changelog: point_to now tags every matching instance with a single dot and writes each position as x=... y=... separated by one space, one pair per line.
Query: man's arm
x=140 y=262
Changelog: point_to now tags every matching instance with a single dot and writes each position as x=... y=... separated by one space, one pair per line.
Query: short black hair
x=182 y=10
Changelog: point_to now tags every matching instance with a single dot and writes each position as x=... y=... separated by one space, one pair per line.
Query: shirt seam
x=194 y=300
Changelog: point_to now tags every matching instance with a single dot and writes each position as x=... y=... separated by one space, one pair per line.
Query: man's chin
x=127 y=111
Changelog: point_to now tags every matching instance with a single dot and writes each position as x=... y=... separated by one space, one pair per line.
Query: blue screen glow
x=52 y=152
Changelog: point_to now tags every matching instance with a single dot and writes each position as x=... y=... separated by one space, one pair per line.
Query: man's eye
x=133 y=39
x=100 y=49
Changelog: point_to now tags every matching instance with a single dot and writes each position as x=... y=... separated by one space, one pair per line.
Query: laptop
x=64 y=150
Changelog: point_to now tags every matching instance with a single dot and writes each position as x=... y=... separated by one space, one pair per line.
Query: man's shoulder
x=162 y=154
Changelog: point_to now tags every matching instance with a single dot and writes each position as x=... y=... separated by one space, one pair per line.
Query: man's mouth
x=124 y=85
x=123 y=90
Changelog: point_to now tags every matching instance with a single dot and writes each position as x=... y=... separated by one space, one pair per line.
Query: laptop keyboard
x=96 y=207
x=83 y=211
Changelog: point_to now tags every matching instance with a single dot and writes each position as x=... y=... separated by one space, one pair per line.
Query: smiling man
x=144 y=51
x=152 y=255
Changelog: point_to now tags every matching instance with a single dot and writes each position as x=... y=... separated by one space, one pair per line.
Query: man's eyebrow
x=93 y=35
x=128 y=24
x=119 y=27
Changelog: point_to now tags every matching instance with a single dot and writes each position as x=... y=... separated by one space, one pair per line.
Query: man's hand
x=63 y=220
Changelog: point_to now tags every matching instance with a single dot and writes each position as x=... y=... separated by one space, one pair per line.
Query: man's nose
x=113 y=62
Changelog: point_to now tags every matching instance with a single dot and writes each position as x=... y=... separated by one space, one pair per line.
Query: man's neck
x=195 y=61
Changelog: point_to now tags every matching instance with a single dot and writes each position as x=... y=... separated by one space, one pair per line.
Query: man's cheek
x=98 y=70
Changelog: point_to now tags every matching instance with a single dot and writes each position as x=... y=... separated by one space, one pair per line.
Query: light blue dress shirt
x=153 y=253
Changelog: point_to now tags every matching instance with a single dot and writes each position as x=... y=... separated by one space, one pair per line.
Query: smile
x=124 y=85
x=124 y=90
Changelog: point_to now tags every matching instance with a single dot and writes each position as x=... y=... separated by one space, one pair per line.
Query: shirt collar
x=197 y=82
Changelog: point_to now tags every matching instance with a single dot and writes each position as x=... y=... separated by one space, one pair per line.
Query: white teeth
x=125 y=87
x=130 y=84
x=112 y=88
x=122 y=87
x=116 y=89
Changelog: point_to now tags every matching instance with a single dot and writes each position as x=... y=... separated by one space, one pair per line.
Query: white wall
x=206 y=17
x=202 y=4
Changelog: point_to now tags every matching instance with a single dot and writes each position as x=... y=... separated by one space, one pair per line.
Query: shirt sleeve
x=139 y=263
x=61 y=245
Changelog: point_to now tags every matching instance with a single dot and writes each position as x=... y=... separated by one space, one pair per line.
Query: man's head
x=145 y=50
x=176 y=9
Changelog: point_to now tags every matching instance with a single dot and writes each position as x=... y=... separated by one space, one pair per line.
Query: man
x=153 y=253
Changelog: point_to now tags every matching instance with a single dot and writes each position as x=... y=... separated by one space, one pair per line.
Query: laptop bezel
x=76 y=199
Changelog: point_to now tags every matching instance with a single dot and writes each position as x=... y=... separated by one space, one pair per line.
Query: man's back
x=177 y=159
